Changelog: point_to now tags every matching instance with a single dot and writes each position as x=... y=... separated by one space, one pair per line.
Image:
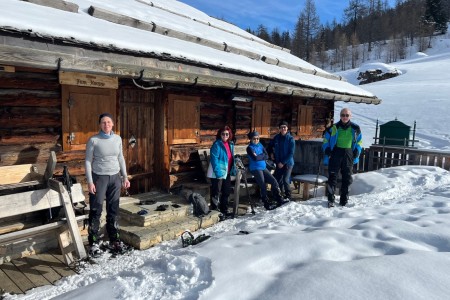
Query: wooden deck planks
x=21 y=275
x=7 y=285
x=17 y=277
x=30 y=272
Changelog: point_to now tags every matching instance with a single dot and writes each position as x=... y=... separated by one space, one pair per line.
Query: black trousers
x=220 y=187
x=341 y=160
x=107 y=187
x=263 y=177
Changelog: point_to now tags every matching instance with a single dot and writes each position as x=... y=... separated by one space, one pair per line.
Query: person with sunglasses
x=282 y=152
x=223 y=167
x=342 y=144
x=257 y=156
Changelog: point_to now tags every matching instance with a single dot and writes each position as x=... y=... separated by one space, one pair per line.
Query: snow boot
x=331 y=198
x=94 y=250
x=343 y=200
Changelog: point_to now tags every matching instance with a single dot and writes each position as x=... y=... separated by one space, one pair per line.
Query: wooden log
x=37 y=138
x=8 y=120
x=35 y=200
x=29 y=81
x=58 y=4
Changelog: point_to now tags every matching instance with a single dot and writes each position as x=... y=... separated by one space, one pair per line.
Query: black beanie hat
x=283 y=123
x=105 y=115
x=252 y=134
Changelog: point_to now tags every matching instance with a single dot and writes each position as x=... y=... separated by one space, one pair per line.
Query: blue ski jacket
x=284 y=150
x=219 y=159
x=256 y=157
x=330 y=139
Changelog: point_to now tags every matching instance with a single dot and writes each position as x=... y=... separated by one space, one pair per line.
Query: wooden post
x=71 y=223
x=237 y=186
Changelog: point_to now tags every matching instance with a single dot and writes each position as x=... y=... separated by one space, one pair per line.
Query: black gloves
x=328 y=151
x=355 y=153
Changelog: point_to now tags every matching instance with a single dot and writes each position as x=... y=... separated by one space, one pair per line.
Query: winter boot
x=269 y=205
x=118 y=247
x=94 y=250
x=343 y=200
x=331 y=198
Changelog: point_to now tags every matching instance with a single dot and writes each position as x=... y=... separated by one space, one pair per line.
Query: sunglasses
x=283 y=127
x=255 y=138
x=345 y=115
x=225 y=134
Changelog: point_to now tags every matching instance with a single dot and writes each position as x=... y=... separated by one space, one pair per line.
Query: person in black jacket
x=283 y=146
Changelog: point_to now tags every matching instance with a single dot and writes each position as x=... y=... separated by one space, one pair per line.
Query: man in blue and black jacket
x=283 y=145
x=342 y=144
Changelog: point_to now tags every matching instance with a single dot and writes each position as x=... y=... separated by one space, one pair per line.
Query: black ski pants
x=340 y=160
x=107 y=187
x=220 y=187
x=263 y=177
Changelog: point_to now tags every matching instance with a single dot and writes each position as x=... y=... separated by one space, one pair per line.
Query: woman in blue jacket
x=257 y=156
x=222 y=164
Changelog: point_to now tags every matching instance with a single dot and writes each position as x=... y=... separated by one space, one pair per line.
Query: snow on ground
x=391 y=242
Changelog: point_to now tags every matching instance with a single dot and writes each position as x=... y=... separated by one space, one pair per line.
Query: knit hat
x=252 y=134
x=105 y=115
x=283 y=123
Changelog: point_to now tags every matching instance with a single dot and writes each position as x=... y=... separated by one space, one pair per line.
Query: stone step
x=145 y=237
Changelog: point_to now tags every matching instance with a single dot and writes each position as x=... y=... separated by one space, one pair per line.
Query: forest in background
x=363 y=34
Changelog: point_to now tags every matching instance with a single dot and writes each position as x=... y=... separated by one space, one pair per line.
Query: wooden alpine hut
x=170 y=74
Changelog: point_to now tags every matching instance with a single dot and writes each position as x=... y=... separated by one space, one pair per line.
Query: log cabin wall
x=217 y=110
x=30 y=116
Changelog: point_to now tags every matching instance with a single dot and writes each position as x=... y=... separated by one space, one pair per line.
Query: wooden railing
x=308 y=155
x=379 y=156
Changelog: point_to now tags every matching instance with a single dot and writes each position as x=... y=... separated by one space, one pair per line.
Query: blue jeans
x=283 y=176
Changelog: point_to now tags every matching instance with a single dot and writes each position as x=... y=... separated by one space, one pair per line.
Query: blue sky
x=282 y=13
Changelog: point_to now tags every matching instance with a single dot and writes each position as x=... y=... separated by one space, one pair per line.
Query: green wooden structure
x=394 y=133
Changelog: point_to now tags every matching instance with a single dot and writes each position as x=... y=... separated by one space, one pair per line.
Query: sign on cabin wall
x=7 y=69
x=88 y=80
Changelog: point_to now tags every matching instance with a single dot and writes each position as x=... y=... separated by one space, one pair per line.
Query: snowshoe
x=188 y=239
x=226 y=216
x=95 y=251
x=330 y=204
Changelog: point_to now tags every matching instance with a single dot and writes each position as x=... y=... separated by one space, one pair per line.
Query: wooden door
x=138 y=137
x=81 y=107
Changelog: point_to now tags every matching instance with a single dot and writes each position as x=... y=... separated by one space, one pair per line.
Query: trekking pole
x=316 y=183
x=250 y=199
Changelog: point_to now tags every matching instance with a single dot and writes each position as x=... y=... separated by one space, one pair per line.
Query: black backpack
x=199 y=203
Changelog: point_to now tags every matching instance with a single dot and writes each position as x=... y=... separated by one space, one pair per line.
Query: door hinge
x=70 y=102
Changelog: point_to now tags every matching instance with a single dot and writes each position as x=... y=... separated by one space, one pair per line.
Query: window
x=183 y=120
x=304 y=120
x=261 y=118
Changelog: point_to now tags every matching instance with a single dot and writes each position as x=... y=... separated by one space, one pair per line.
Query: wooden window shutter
x=261 y=118
x=183 y=120
x=304 y=120
x=81 y=107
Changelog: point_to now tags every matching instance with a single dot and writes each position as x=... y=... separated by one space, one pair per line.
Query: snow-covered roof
x=170 y=31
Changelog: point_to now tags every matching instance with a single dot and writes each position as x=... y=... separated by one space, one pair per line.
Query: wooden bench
x=306 y=180
x=53 y=194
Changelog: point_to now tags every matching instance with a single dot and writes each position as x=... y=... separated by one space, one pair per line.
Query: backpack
x=201 y=208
